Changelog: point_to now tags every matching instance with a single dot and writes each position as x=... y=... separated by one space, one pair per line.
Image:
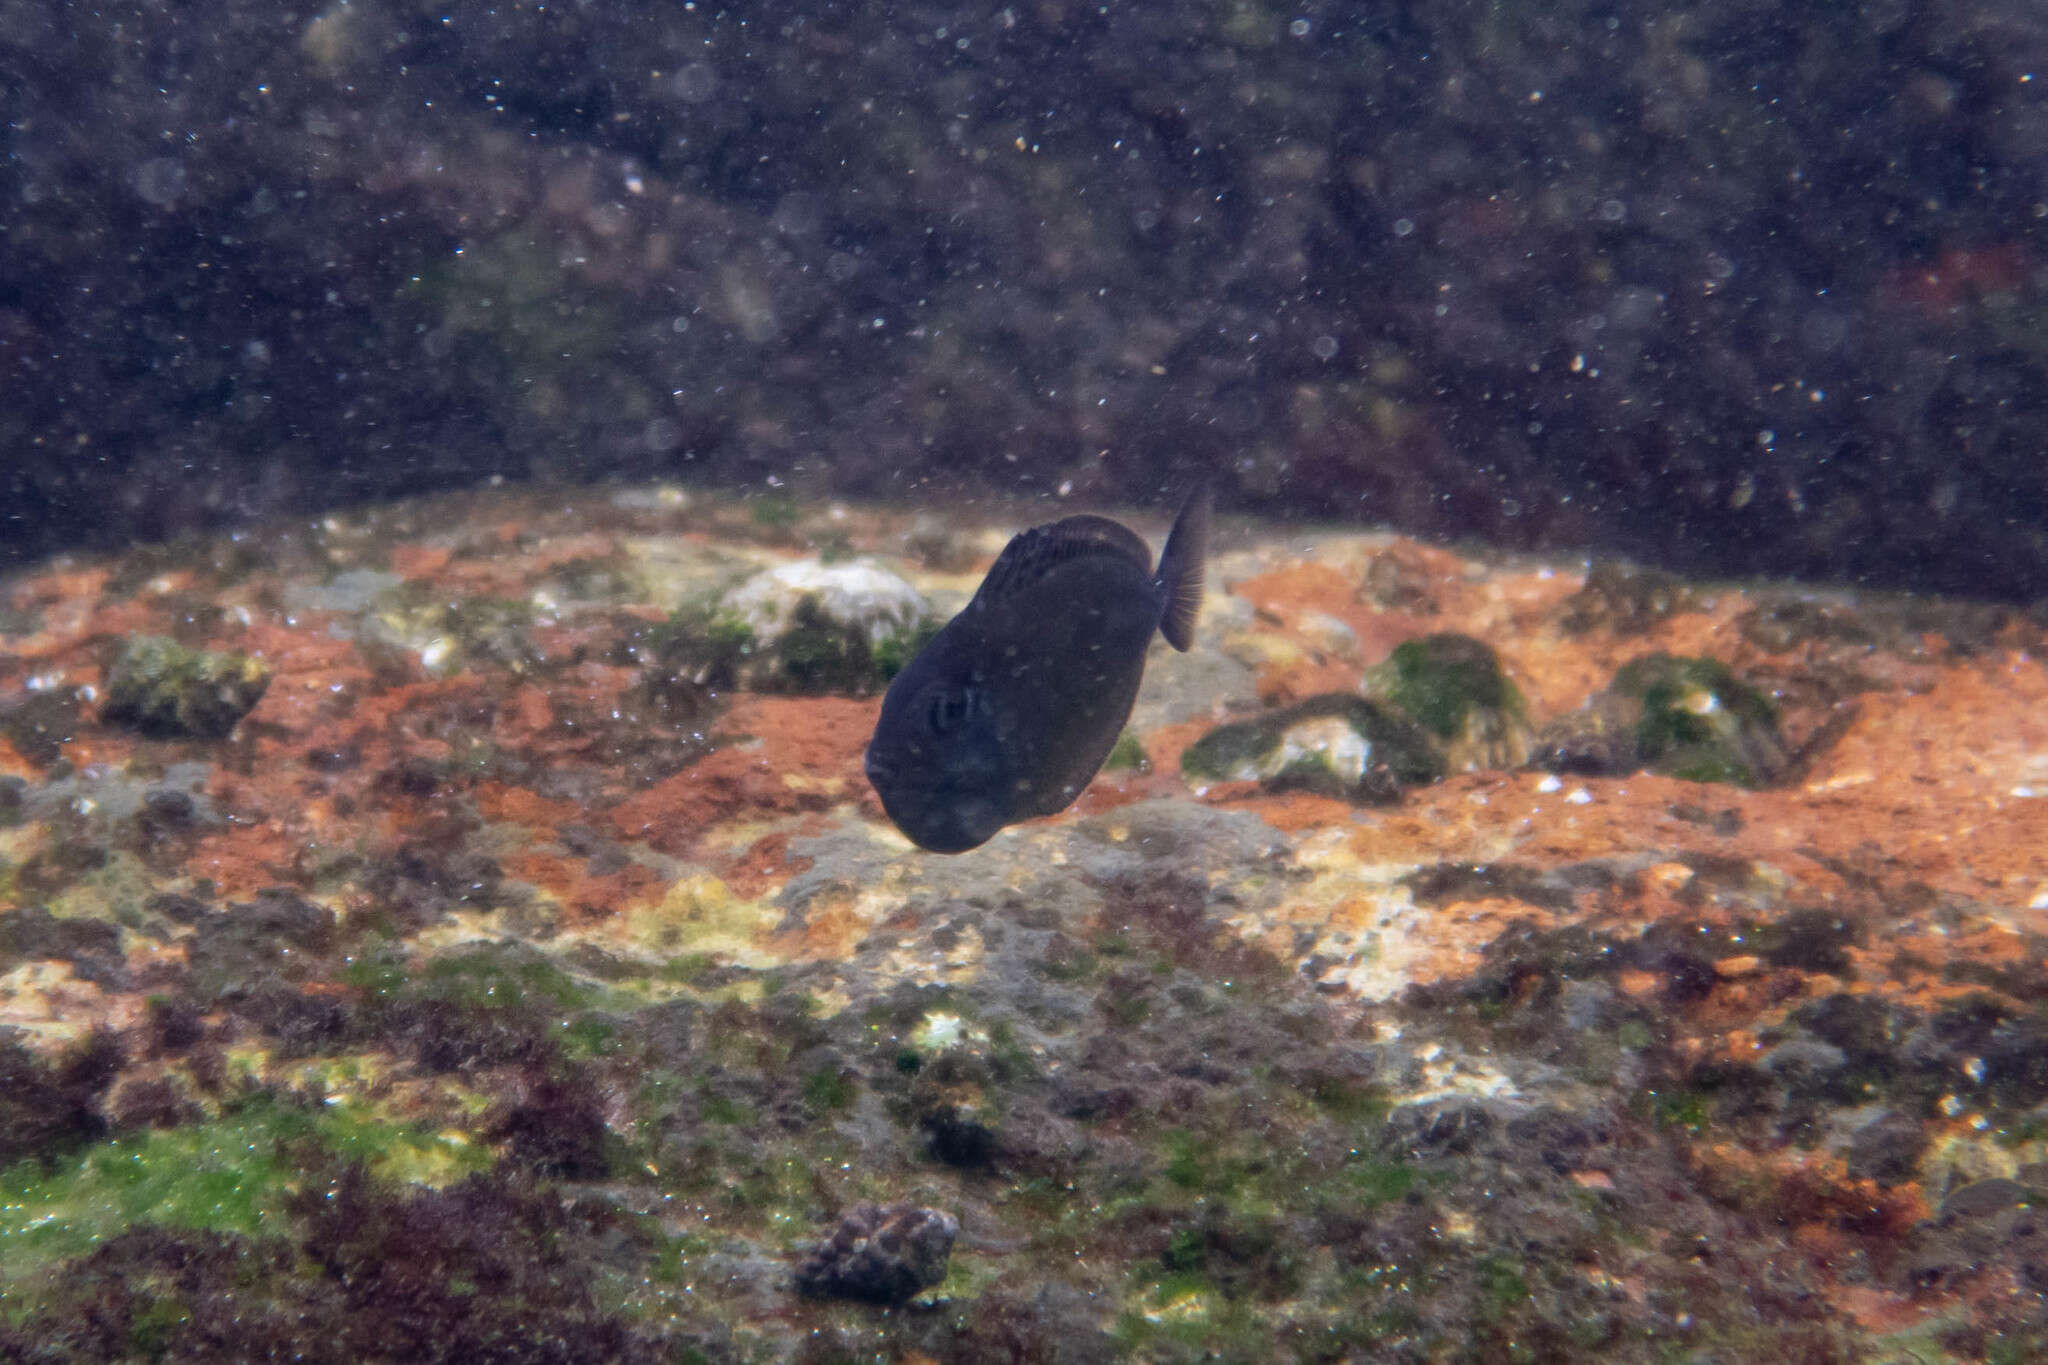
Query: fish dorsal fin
x=1180 y=568
x=1032 y=554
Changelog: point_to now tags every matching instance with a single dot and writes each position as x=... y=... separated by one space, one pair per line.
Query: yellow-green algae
x=231 y=1174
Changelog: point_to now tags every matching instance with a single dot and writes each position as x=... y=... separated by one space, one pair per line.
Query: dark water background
x=1735 y=286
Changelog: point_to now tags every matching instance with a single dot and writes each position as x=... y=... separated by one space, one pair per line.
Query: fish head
x=938 y=763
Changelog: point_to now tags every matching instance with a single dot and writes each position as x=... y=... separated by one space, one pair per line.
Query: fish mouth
x=951 y=825
x=938 y=812
x=959 y=827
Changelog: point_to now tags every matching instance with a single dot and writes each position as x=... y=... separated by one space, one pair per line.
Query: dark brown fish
x=1013 y=706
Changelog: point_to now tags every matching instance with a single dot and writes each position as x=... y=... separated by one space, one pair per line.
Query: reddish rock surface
x=474 y=867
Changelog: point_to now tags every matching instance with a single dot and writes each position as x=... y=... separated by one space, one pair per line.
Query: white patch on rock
x=856 y=597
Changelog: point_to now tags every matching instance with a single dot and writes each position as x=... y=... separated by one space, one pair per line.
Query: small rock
x=1624 y=599
x=809 y=627
x=160 y=687
x=1683 y=717
x=1804 y=1057
x=1982 y=1198
x=40 y=724
x=880 y=1254
x=950 y=1101
x=1454 y=687
x=1328 y=634
x=1887 y=1149
x=1335 y=744
x=150 y=1101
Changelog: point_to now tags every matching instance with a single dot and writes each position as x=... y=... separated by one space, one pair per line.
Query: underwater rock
x=162 y=688
x=91 y=946
x=1683 y=717
x=1454 y=687
x=39 y=724
x=1128 y=756
x=1783 y=625
x=497 y=995
x=47 y=1105
x=154 y=1099
x=812 y=628
x=1626 y=599
x=448 y=634
x=880 y=1254
x=1887 y=1147
x=949 y=1100
x=1335 y=744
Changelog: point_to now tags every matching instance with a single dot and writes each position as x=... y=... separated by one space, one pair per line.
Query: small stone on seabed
x=880 y=1254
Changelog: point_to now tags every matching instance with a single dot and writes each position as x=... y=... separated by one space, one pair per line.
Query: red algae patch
x=779 y=756
x=765 y=865
x=420 y=561
x=583 y=893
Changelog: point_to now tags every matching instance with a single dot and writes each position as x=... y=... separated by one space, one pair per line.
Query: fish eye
x=945 y=712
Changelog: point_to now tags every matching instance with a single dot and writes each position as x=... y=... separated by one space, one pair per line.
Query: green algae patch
x=1455 y=688
x=235 y=1174
x=1699 y=722
x=118 y=889
x=894 y=652
x=164 y=689
x=1128 y=755
x=499 y=976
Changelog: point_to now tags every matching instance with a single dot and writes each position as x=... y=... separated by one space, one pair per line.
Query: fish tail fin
x=1181 y=564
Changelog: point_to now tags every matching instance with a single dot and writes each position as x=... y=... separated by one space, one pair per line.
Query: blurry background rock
x=1734 y=287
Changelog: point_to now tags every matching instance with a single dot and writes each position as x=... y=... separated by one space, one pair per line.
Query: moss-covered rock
x=163 y=688
x=1335 y=744
x=447 y=635
x=806 y=627
x=1684 y=717
x=1454 y=687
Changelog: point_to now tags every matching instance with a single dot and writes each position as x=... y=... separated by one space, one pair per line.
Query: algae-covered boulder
x=163 y=688
x=1335 y=744
x=1454 y=687
x=808 y=627
x=1683 y=717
